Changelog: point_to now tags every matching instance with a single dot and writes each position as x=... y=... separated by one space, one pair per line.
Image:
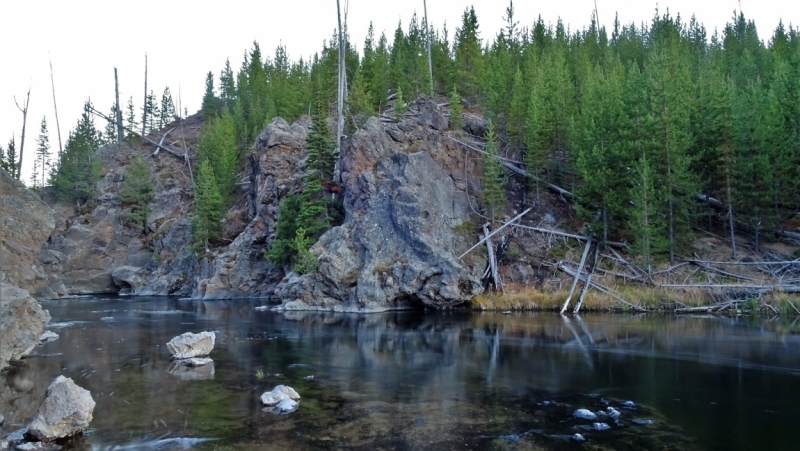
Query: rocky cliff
x=404 y=199
x=93 y=250
x=25 y=223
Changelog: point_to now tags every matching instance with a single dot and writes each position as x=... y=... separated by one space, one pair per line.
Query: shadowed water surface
x=414 y=380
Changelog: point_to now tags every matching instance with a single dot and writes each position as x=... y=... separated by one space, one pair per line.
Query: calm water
x=414 y=380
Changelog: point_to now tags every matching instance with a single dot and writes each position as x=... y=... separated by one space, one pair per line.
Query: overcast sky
x=86 y=39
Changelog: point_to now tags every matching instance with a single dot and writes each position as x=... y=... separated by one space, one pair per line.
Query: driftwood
x=588 y=282
x=570 y=235
x=571 y=272
x=495 y=232
x=719 y=306
x=757 y=289
x=577 y=274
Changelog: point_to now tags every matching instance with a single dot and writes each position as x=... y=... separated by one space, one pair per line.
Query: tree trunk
x=342 y=92
x=144 y=107
x=730 y=217
x=120 y=130
x=55 y=108
x=577 y=275
x=24 y=123
x=428 y=39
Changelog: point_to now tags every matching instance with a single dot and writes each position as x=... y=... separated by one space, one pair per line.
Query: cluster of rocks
x=610 y=414
x=66 y=411
x=280 y=400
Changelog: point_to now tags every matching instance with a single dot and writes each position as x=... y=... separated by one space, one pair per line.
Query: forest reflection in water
x=412 y=380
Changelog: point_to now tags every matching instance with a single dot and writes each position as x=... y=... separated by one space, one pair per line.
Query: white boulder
x=278 y=394
x=285 y=406
x=191 y=345
x=66 y=411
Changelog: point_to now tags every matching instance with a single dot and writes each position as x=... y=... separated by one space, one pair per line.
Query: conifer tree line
x=639 y=121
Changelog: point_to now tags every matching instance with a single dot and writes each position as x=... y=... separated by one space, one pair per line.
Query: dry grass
x=534 y=298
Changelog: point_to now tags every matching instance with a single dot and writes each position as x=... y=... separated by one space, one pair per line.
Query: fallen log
x=571 y=272
x=588 y=280
x=511 y=221
x=577 y=276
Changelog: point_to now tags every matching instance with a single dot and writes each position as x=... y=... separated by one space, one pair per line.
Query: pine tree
x=12 y=160
x=644 y=219
x=207 y=213
x=42 y=153
x=217 y=144
x=136 y=191
x=78 y=168
x=320 y=146
x=130 y=117
x=469 y=64
x=492 y=194
x=456 y=110
x=358 y=100
x=153 y=113
x=167 y=111
x=670 y=91
x=110 y=131
x=210 y=104
x=3 y=162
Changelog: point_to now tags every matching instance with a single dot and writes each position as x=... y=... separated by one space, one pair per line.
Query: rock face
x=22 y=322
x=66 y=410
x=278 y=394
x=25 y=223
x=93 y=250
x=191 y=345
x=398 y=245
x=275 y=170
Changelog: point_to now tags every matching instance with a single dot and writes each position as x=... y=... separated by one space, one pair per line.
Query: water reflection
x=412 y=380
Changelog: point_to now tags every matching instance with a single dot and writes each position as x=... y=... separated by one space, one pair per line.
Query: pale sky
x=86 y=39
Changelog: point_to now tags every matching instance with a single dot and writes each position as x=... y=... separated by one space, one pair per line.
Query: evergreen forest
x=657 y=129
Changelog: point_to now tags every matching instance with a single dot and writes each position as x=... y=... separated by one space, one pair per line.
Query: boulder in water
x=191 y=345
x=601 y=427
x=585 y=414
x=278 y=394
x=196 y=362
x=48 y=336
x=66 y=411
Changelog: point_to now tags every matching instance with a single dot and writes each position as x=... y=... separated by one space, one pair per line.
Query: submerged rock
x=186 y=370
x=47 y=337
x=629 y=404
x=37 y=446
x=642 y=422
x=66 y=411
x=196 y=362
x=585 y=414
x=601 y=427
x=578 y=438
x=22 y=322
x=278 y=394
x=285 y=406
x=191 y=345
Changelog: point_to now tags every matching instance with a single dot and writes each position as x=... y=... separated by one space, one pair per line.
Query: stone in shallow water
x=613 y=413
x=66 y=411
x=48 y=336
x=186 y=372
x=642 y=422
x=601 y=427
x=578 y=438
x=196 y=362
x=285 y=406
x=191 y=345
x=37 y=446
x=278 y=394
x=629 y=404
x=585 y=414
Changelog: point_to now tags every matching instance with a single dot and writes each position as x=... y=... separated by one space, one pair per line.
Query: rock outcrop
x=398 y=244
x=94 y=250
x=66 y=411
x=190 y=345
x=275 y=170
x=22 y=322
x=25 y=223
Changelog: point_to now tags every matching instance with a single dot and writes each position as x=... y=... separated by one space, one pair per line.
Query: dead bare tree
x=120 y=129
x=342 y=91
x=24 y=123
x=55 y=108
x=144 y=110
x=428 y=42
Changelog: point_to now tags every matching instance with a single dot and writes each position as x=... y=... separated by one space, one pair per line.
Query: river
x=415 y=380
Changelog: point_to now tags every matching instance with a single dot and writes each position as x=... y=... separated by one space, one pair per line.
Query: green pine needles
x=493 y=194
x=207 y=213
x=136 y=192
